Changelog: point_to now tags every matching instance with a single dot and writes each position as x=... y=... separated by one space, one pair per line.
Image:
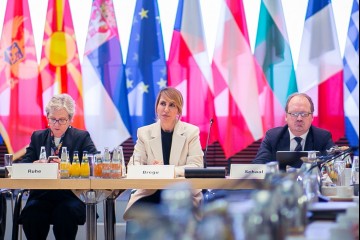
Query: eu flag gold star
x=143 y=13
x=144 y=88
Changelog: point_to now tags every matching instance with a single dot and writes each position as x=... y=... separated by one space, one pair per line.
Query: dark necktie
x=298 y=146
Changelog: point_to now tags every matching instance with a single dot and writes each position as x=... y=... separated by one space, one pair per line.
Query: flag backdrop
x=236 y=91
x=351 y=77
x=20 y=106
x=60 y=65
x=145 y=64
x=319 y=72
x=273 y=55
x=189 y=69
x=104 y=86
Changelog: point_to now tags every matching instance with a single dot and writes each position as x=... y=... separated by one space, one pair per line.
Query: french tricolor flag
x=320 y=67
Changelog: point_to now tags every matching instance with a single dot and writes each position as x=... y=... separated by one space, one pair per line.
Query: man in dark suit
x=297 y=135
x=62 y=208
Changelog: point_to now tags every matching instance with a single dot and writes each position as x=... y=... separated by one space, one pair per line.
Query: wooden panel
x=45 y=183
x=196 y=183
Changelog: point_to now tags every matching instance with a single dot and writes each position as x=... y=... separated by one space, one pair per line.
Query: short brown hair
x=172 y=94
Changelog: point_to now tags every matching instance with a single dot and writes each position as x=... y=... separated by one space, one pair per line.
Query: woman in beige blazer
x=168 y=141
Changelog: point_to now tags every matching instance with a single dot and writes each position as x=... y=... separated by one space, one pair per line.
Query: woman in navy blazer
x=62 y=208
x=299 y=116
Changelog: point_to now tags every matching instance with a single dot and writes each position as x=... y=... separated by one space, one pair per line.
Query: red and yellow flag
x=20 y=106
x=60 y=69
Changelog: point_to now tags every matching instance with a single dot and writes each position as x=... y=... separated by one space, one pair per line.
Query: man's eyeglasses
x=61 y=121
x=297 y=114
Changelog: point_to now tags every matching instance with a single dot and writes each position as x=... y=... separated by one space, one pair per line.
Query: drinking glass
x=91 y=163
x=339 y=167
x=272 y=167
x=8 y=159
x=355 y=175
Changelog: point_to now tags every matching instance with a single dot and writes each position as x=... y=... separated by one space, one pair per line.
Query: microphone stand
x=329 y=158
x=205 y=172
x=207 y=143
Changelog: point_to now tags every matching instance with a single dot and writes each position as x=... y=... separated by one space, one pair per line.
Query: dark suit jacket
x=278 y=139
x=74 y=140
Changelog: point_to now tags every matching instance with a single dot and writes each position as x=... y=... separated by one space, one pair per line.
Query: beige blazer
x=186 y=151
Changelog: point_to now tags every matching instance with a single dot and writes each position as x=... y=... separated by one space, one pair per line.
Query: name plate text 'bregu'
x=35 y=171
x=151 y=172
x=247 y=171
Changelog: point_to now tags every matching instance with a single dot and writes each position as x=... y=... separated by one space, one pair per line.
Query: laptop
x=290 y=158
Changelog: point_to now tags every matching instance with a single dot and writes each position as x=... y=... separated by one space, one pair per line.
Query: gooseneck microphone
x=206 y=172
x=328 y=158
x=207 y=143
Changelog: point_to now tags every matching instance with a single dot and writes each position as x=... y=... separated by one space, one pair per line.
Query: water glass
x=91 y=163
x=272 y=168
x=8 y=159
x=339 y=168
x=355 y=175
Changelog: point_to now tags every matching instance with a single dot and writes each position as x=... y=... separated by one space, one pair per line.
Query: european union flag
x=1 y=140
x=145 y=65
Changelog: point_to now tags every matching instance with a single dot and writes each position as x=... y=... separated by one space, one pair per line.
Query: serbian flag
x=273 y=55
x=60 y=69
x=20 y=106
x=320 y=68
x=145 y=64
x=104 y=85
x=351 y=78
x=189 y=69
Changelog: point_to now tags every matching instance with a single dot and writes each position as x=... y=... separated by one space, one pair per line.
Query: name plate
x=247 y=171
x=151 y=172
x=35 y=171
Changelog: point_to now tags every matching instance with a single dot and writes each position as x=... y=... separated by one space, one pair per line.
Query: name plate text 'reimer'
x=247 y=171
x=35 y=171
x=151 y=172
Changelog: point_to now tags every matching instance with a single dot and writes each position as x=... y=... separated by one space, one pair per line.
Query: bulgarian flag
x=60 y=69
x=320 y=67
x=235 y=81
x=20 y=104
x=275 y=63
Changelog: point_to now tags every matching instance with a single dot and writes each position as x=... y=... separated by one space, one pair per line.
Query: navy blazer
x=74 y=140
x=278 y=139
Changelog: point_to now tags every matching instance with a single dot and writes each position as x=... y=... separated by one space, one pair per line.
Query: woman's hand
x=50 y=160
x=157 y=162
x=40 y=161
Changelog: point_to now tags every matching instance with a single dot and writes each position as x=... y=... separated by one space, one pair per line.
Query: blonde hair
x=174 y=95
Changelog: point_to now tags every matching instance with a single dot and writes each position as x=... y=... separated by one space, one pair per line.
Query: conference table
x=94 y=190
